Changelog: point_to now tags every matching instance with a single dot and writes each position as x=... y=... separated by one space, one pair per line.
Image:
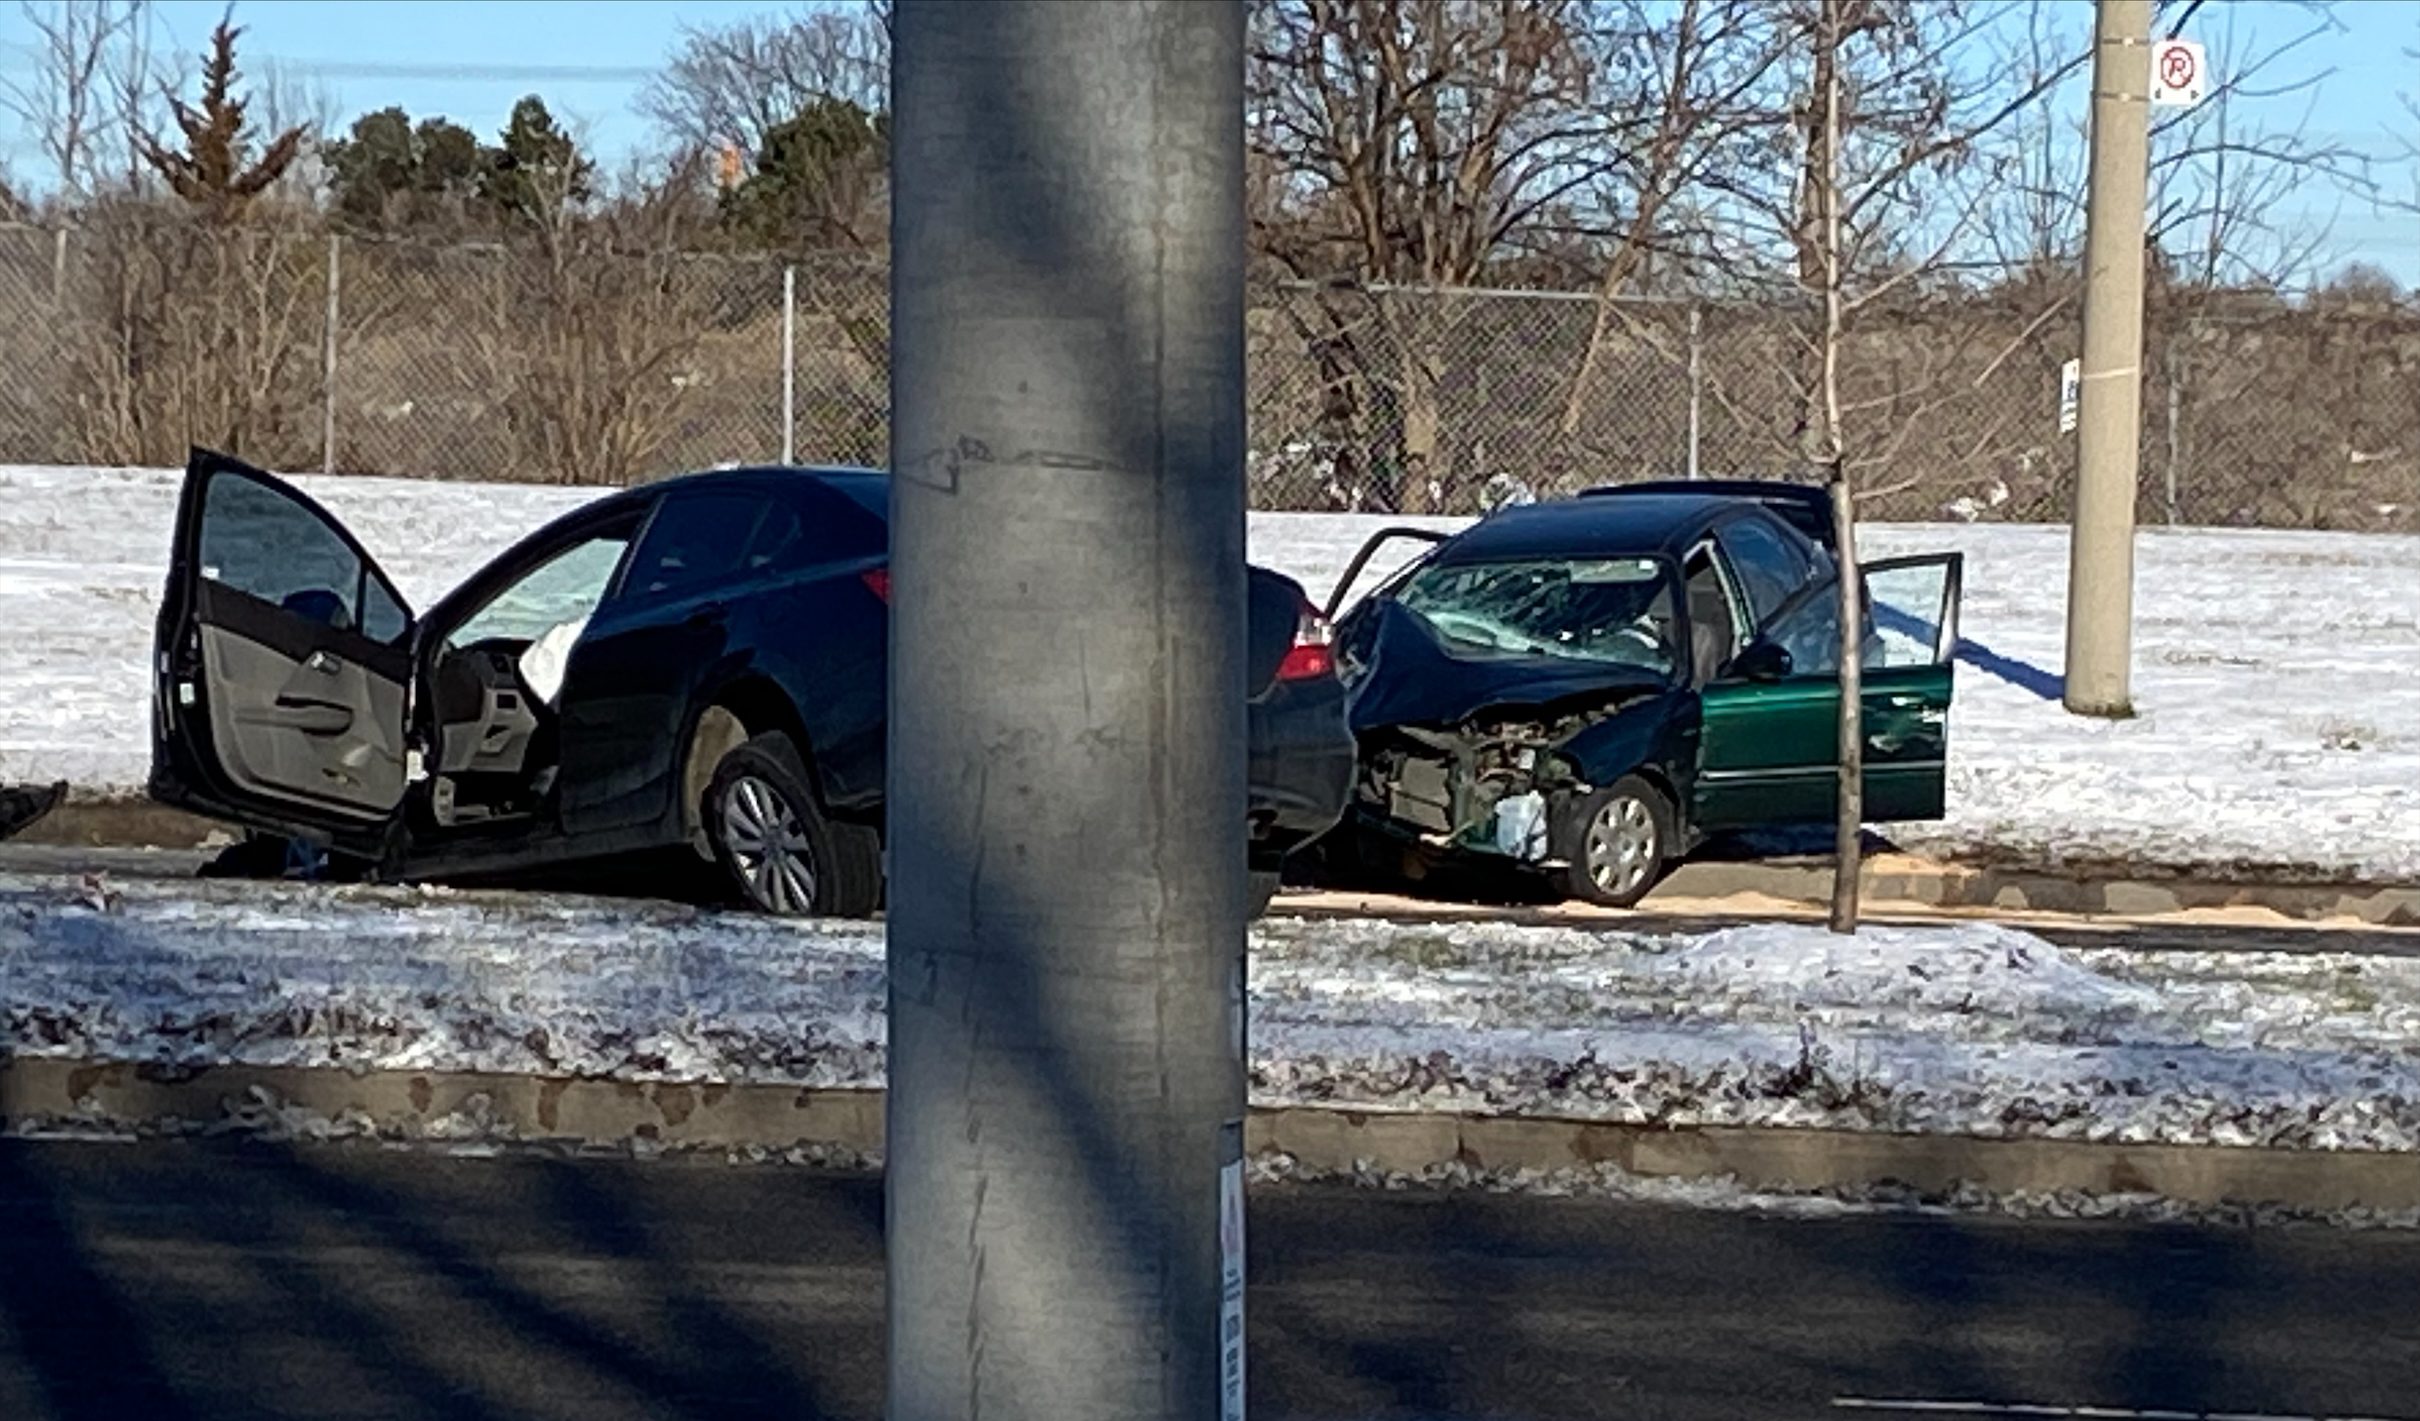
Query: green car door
x=1769 y=747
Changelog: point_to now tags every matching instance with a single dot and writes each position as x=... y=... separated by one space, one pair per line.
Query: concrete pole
x=1066 y=801
x=2100 y=565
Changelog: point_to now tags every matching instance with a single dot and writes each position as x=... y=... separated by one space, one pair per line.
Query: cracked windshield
x=1616 y=610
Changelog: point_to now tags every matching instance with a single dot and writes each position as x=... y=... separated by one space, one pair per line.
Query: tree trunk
x=1823 y=155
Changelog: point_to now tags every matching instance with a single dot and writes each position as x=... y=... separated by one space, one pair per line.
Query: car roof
x=757 y=475
x=1637 y=523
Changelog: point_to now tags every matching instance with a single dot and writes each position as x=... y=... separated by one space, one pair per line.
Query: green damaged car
x=1591 y=687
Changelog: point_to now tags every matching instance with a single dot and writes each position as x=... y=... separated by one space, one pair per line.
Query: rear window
x=694 y=541
x=872 y=495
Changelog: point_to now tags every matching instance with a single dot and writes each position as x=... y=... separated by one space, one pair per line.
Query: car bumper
x=1302 y=764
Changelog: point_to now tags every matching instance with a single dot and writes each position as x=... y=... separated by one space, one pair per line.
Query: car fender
x=1655 y=737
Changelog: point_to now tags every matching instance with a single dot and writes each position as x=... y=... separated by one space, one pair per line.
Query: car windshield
x=1613 y=611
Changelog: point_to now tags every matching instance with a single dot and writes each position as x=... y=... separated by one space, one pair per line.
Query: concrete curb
x=124 y=824
x=586 y=1112
x=1892 y=880
x=2083 y=891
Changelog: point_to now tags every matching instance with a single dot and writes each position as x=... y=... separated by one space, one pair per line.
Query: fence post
x=327 y=363
x=2176 y=432
x=58 y=270
x=789 y=364
x=1696 y=384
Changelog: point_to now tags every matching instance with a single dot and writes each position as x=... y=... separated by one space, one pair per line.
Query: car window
x=1769 y=567
x=1809 y=630
x=779 y=542
x=261 y=542
x=1714 y=617
x=694 y=541
x=565 y=588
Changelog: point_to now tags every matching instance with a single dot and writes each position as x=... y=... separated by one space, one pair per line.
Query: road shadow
x=245 y=1279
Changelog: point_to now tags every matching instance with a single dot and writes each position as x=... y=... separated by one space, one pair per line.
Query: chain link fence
x=310 y=352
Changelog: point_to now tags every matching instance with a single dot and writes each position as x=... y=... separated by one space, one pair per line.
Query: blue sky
x=470 y=61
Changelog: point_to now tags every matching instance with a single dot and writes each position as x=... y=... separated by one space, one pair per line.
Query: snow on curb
x=1965 y=1030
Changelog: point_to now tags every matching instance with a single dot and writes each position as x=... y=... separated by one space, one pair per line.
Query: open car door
x=1428 y=537
x=282 y=664
x=1769 y=753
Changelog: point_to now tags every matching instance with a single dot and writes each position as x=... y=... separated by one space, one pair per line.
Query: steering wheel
x=1644 y=640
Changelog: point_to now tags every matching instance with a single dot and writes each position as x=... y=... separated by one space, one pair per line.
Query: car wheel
x=1619 y=839
x=1261 y=892
x=770 y=835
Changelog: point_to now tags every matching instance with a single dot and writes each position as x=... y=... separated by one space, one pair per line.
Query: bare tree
x=66 y=103
x=1692 y=105
x=729 y=86
x=1413 y=145
x=1826 y=450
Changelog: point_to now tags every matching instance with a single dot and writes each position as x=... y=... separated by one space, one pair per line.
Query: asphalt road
x=163 y=1282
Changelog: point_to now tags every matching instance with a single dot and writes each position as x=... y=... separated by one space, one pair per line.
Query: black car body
x=1594 y=685
x=578 y=697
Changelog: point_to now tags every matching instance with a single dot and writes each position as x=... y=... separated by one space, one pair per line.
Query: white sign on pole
x=2179 y=73
x=1231 y=1275
x=2071 y=394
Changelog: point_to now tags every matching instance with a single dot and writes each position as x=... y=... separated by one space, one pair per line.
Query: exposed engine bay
x=1495 y=783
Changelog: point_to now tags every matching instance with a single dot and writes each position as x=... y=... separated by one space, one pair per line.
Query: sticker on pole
x=2071 y=394
x=1231 y=1273
x=2179 y=75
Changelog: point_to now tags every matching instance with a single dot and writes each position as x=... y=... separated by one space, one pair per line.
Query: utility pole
x=2100 y=564
x=1066 y=799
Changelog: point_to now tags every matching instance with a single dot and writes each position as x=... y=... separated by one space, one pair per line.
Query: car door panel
x=1770 y=750
x=1766 y=752
x=296 y=716
x=277 y=704
x=629 y=685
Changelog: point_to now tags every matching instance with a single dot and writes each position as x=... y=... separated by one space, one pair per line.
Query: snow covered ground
x=1957 y=1029
x=2279 y=725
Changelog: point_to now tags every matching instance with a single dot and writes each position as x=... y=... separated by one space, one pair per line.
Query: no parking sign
x=2179 y=74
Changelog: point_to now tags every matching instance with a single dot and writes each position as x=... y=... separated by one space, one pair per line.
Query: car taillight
x=878 y=582
x=1313 y=654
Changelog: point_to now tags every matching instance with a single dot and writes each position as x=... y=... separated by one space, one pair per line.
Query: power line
x=19 y=57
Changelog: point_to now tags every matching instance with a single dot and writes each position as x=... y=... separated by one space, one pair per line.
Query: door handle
x=708 y=615
x=309 y=717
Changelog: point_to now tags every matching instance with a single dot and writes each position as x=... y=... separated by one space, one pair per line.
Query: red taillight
x=1313 y=654
x=878 y=582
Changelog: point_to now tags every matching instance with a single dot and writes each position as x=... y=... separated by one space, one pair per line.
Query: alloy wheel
x=769 y=846
x=1622 y=849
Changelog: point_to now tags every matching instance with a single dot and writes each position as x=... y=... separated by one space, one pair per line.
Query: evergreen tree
x=537 y=172
x=387 y=172
x=216 y=170
x=815 y=179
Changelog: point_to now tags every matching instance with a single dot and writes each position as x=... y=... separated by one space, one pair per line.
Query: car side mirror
x=324 y=607
x=1761 y=661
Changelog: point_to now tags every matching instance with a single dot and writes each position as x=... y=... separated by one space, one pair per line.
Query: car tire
x=1618 y=841
x=777 y=847
x=1260 y=893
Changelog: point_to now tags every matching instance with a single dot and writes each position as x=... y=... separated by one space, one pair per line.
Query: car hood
x=1414 y=678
